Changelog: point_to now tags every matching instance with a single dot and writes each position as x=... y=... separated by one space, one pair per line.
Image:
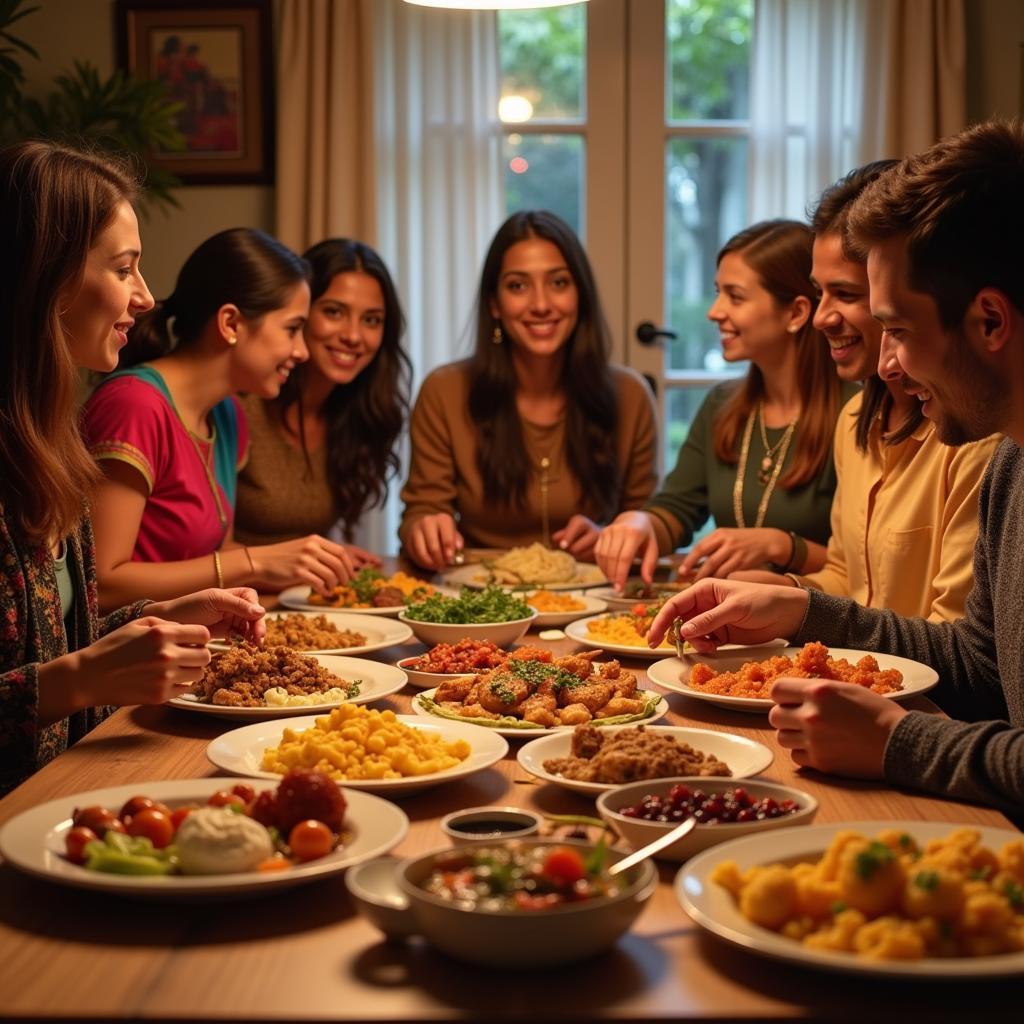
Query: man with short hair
x=942 y=232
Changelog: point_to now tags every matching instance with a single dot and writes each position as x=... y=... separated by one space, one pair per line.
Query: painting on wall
x=215 y=60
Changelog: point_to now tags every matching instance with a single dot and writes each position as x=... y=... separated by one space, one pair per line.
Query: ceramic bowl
x=487 y=824
x=394 y=901
x=501 y=633
x=638 y=832
x=428 y=680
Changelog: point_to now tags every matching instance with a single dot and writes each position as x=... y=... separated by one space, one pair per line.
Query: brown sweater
x=444 y=477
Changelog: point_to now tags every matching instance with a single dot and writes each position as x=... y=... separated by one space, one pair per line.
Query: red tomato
x=76 y=841
x=565 y=865
x=154 y=825
x=138 y=804
x=310 y=839
x=222 y=798
x=264 y=808
x=98 y=819
x=179 y=815
x=245 y=791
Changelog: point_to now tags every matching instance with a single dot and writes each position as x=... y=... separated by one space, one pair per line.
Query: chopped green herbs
x=501 y=690
x=868 y=861
x=471 y=606
x=838 y=907
x=927 y=880
x=1014 y=892
x=980 y=874
x=537 y=672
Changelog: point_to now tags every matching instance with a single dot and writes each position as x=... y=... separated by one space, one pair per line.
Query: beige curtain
x=325 y=149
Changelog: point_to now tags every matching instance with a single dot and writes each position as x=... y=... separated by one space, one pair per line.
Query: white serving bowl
x=638 y=832
x=428 y=680
x=395 y=903
x=500 y=633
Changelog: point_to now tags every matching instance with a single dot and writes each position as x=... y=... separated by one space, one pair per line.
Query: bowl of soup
x=516 y=903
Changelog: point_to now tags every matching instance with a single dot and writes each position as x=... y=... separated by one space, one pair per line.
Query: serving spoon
x=682 y=829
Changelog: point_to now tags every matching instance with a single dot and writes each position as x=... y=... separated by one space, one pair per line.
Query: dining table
x=304 y=954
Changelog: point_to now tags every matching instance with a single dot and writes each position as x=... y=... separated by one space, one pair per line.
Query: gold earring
x=497 y=337
x=233 y=340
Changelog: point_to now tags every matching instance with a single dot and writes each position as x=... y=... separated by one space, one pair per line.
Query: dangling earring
x=497 y=337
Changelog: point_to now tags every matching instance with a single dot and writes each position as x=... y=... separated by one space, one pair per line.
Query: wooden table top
x=303 y=954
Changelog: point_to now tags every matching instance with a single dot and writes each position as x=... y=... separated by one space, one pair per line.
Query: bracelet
x=218 y=569
x=799 y=559
x=248 y=554
x=786 y=566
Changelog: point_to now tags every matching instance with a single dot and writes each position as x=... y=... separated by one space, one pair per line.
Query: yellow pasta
x=354 y=742
x=619 y=629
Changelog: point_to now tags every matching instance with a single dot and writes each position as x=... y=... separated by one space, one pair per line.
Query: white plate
x=477 y=576
x=669 y=673
x=744 y=756
x=241 y=751
x=298 y=598
x=545 y=620
x=618 y=602
x=578 y=632
x=34 y=842
x=379 y=633
x=377 y=680
x=714 y=909
x=529 y=729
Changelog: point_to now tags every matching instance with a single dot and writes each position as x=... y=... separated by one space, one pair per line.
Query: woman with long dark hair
x=323 y=449
x=759 y=453
x=170 y=435
x=536 y=437
x=70 y=286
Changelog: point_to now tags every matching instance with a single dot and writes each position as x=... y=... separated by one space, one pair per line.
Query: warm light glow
x=518 y=165
x=493 y=5
x=514 y=109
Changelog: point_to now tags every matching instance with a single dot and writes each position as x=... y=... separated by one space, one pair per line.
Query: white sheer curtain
x=437 y=142
x=836 y=83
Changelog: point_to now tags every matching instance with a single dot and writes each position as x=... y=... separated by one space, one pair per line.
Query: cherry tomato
x=245 y=791
x=222 y=798
x=99 y=819
x=310 y=839
x=76 y=841
x=180 y=814
x=154 y=825
x=565 y=865
x=140 y=803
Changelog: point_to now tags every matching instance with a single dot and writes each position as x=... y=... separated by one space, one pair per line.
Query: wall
x=995 y=37
x=66 y=30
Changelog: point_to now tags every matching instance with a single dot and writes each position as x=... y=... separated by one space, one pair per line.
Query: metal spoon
x=682 y=829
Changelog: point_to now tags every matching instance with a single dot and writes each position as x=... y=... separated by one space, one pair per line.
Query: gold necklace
x=210 y=479
x=545 y=522
x=741 y=472
x=765 y=472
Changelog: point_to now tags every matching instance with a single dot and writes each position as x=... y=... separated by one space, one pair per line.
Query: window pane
x=708 y=58
x=681 y=405
x=542 y=60
x=545 y=172
x=705 y=204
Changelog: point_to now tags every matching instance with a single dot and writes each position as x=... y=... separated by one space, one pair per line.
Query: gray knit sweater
x=980 y=660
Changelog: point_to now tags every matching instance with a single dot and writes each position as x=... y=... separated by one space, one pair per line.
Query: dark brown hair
x=960 y=206
x=830 y=217
x=365 y=416
x=591 y=409
x=779 y=252
x=242 y=266
x=54 y=203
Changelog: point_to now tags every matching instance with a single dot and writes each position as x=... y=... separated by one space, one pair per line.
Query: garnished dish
x=741 y=678
x=489 y=605
x=370 y=588
x=531 y=566
x=464 y=656
x=535 y=690
x=619 y=633
x=913 y=899
x=310 y=633
x=593 y=761
x=202 y=838
x=365 y=749
x=560 y=608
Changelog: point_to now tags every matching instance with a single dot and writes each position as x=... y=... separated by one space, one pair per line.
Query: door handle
x=648 y=333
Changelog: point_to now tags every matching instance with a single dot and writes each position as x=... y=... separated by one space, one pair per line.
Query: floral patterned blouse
x=32 y=631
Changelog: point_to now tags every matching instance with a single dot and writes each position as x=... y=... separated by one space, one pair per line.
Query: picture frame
x=215 y=58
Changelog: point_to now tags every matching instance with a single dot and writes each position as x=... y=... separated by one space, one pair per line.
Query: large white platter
x=714 y=909
x=744 y=756
x=528 y=729
x=241 y=751
x=298 y=598
x=33 y=841
x=377 y=680
x=670 y=672
x=578 y=632
x=379 y=633
x=477 y=576
x=546 y=620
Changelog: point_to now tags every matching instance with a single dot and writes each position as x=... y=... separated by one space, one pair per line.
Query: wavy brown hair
x=591 y=406
x=829 y=217
x=364 y=417
x=779 y=252
x=55 y=201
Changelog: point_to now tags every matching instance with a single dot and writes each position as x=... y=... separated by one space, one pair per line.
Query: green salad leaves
x=471 y=607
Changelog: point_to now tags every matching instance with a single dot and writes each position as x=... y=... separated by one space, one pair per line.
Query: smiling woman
x=170 y=437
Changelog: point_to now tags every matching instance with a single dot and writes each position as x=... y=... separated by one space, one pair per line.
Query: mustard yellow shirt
x=904 y=521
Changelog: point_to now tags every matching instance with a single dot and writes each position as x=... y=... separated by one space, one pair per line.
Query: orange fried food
x=755 y=678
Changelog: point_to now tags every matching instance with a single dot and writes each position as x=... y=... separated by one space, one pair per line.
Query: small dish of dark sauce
x=489 y=823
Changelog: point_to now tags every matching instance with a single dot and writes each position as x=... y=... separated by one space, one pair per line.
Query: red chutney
x=469 y=656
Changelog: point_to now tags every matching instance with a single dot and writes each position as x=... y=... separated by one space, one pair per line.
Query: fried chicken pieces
x=536 y=687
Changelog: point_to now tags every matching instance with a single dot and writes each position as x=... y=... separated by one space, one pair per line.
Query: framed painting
x=214 y=56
